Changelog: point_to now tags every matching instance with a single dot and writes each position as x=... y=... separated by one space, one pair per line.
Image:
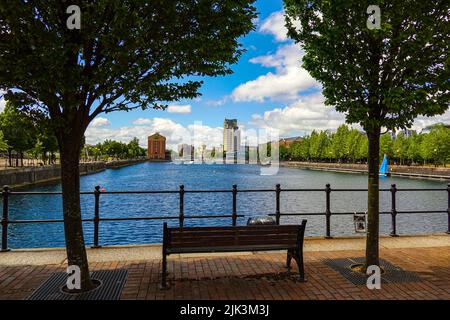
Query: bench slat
x=236 y=243
x=233 y=229
x=229 y=249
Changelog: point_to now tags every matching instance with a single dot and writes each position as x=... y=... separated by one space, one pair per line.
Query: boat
x=384 y=168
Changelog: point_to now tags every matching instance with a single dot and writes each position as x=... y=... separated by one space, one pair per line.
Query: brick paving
x=254 y=276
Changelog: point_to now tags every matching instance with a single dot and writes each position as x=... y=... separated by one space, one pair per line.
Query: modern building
x=186 y=152
x=231 y=137
x=156 y=147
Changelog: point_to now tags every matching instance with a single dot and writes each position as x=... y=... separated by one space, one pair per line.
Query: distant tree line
x=31 y=136
x=111 y=149
x=351 y=146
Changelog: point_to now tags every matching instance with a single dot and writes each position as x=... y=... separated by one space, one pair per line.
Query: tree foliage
x=128 y=54
x=382 y=77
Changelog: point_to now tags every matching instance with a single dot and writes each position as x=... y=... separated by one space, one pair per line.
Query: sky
x=268 y=90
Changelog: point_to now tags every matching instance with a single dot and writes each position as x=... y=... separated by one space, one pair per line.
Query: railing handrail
x=7 y=192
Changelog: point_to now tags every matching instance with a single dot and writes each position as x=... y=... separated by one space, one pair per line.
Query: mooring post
x=96 y=216
x=328 y=210
x=181 y=216
x=4 y=222
x=234 y=214
x=394 y=210
x=277 y=207
x=448 y=208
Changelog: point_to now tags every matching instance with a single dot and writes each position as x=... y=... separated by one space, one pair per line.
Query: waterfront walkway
x=246 y=275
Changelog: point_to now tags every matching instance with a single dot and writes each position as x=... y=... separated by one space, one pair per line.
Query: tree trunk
x=10 y=157
x=372 y=239
x=73 y=228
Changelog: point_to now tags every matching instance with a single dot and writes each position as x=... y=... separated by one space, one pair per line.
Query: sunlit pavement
x=248 y=275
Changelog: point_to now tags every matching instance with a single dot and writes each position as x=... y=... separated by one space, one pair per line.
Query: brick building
x=156 y=147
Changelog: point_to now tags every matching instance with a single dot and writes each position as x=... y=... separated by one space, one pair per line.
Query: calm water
x=167 y=176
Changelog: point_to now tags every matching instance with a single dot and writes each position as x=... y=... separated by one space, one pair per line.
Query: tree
x=400 y=147
x=128 y=54
x=338 y=144
x=3 y=144
x=18 y=130
x=383 y=77
x=435 y=145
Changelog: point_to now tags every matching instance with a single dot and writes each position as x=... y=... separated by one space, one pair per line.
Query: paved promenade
x=249 y=275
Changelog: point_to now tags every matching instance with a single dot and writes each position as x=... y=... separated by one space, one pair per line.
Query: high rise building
x=231 y=137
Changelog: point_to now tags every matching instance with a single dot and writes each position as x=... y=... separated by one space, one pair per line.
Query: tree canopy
x=378 y=77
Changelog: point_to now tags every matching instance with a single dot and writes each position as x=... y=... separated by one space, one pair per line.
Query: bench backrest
x=290 y=236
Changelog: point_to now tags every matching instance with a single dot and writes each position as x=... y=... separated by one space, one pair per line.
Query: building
x=286 y=142
x=186 y=152
x=156 y=147
x=231 y=137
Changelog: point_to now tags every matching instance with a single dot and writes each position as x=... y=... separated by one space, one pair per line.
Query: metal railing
x=97 y=193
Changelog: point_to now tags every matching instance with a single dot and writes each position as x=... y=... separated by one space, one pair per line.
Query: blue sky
x=268 y=90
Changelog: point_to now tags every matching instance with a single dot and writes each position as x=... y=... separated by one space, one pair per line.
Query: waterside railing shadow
x=97 y=193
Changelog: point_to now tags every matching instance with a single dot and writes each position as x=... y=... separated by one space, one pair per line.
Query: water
x=167 y=176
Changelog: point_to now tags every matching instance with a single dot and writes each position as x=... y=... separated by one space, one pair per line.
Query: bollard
x=181 y=216
x=234 y=214
x=328 y=211
x=448 y=208
x=277 y=208
x=4 y=221
x=96 y=216
x=394 y=211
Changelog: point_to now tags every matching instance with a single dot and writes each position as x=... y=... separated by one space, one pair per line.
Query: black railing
x=97 y=193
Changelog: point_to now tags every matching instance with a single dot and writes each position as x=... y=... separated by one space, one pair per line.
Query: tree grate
x=112 y=282
x=391 y=274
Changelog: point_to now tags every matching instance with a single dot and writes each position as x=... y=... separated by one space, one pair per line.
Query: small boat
x=384 y=168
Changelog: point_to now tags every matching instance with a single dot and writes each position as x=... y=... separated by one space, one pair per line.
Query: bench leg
x=301 y=268
x=288 y=259
x=164 y=272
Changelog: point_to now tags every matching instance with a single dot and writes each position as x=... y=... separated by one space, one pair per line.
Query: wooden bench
x=235 y=239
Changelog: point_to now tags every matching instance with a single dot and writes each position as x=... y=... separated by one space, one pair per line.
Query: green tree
x=382 y=77
x=18 y=130
x=400 y=147
x=386 y=146
x=414 y=148
x=352 y=144
x=128 y=54
x=3 y=144
x=338 y=145
x=435 y=146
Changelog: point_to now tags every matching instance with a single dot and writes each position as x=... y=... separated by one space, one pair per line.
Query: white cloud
x=304 y=115
x=184 y=109
x=286 y=83
x=275 y=25
x=422 y=122
x=310 y=113
x=174 y=132
x=100 y=122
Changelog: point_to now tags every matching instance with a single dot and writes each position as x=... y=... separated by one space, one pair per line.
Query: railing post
x=277 y=199
x=328 y=210
x=448 y=208
x=96 y=216
x=234 y=214
x=4 y=221
x=394 y=210
x=181 y=216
